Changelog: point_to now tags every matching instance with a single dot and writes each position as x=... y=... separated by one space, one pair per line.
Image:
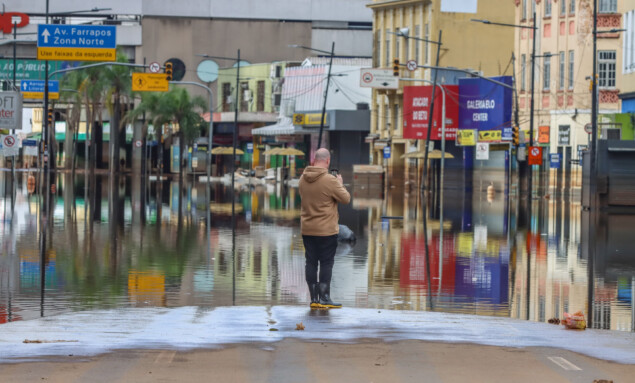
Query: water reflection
x=124 y=242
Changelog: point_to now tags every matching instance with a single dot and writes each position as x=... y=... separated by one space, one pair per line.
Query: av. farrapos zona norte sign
x=76 y=42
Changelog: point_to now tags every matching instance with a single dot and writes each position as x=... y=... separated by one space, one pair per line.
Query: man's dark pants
x=319 y=249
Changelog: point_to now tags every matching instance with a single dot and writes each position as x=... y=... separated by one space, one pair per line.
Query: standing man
x=320 y=192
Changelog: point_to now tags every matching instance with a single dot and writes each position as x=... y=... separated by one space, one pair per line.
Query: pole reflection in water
x=472 y=255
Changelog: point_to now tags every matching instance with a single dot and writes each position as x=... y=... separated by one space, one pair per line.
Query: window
x=377 y=58
x=396 y=117
x=523 y=10
x=387 y=118
x=426 y=47
x=397 y=43
x=546 y=69
x=571 y=68
x=533 y=8
x=260 y=106
x=547 y=8
x=606 y=69
x=607 y=6
x=563 y=7
x=388 y=59
x=561 y=66
x=226 y=96
x=628 y=46
x=245 y=97
x=523 y=71
x=572 y=7
x=417 y=42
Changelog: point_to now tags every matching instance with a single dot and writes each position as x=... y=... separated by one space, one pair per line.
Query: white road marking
x=565 y=364
x=165 y=357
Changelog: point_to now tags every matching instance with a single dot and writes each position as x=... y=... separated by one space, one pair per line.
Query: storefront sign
x=9 y=19
x=490 y=136
x=486 y=106
x=543 y=134
x=535 y=155
x=466 y=137
x=29 y=69
x=10 y=110
x=416 y=112
x=309 y=119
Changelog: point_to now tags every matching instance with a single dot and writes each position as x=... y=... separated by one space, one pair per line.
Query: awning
x=283 y=127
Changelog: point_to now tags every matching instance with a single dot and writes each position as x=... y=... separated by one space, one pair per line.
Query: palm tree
x=72 y=81
x=118 y=92
x=174 y=106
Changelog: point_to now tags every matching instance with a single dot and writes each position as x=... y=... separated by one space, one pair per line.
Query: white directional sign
x=378 y=78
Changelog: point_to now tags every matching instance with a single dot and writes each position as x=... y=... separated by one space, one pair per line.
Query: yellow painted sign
x=490 y=136
x=466 y=137
x=76 y=54
x=150 y=82
x=40 y=95
x=309 y=119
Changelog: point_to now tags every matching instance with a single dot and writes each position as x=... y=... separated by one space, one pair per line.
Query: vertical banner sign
x=11 y=110
x=416 y=112
x=535 y=155
x=486 y=107
x=543 y=134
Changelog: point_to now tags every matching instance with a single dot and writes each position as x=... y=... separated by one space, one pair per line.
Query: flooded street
x=114 y=243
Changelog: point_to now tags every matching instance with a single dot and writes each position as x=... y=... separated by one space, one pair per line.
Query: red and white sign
x=411 y=65
x=11 y=110
x=8 y=20
x=137 y=143
x=8 y=142
x=535 y=155
x=154 y=67
x=588 y=128
x=416 y=112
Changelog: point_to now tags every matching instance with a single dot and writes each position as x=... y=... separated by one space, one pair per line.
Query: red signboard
x=416 y=111
x=10 y=19
x=535 y=155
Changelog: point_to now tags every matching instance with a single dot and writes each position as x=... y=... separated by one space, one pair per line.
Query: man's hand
x=339 y=178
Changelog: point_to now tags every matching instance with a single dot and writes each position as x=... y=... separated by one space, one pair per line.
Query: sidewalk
x=348 y=345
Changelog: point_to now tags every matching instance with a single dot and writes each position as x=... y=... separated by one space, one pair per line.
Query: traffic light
x=516 y=135
x=49 y=117
x=168 y=71
x=395 y=67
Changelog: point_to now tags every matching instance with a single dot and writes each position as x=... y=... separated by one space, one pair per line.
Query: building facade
x=465 y=44
x=563 y=70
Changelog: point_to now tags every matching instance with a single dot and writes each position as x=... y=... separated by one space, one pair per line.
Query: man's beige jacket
x=320 y=192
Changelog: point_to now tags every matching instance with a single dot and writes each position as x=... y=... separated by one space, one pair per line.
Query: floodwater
x=117 y=242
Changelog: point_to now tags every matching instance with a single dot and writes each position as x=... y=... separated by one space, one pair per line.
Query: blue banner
x=486 y=106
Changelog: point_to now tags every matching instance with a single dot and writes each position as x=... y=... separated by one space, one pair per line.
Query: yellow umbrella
x=226 y=150
x=432 y=155
x=271 y=152
x=291 y=152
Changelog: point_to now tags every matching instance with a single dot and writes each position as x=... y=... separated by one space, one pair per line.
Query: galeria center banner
x=486 y=107
x=416 y=112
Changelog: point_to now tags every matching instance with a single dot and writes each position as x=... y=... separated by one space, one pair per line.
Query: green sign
x=27 y=69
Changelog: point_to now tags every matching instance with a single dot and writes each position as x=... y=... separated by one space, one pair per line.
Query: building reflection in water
x=119 y=243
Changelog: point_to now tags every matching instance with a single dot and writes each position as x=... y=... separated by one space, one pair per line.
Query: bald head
x=322 y=158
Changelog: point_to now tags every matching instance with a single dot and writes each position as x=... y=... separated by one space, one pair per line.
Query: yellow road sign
x=490 y=136
x=466 y=137
x=40 y=95
x=149 y=82
x=76 y=54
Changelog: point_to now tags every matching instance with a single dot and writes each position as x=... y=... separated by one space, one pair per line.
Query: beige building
x=562 y=96
x=627 y=86
x=466 y=44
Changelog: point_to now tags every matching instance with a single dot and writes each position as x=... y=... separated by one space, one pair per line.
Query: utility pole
x=326 y=93
x=594 y=114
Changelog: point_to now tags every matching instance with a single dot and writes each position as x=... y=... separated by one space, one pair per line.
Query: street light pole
x=594 y=114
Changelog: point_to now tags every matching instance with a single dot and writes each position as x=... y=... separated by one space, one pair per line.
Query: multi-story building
x=627 y=86
x=563 y=69
x=466 y=44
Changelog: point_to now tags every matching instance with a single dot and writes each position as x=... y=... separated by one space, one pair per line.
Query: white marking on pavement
x=565 y=364
x=165 y=356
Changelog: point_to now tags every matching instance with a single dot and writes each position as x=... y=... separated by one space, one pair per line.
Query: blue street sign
x=555 y=159
x=250 y=147
x=29 y=143
x=76 y=36
x=37 y=86
x=387 y=152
